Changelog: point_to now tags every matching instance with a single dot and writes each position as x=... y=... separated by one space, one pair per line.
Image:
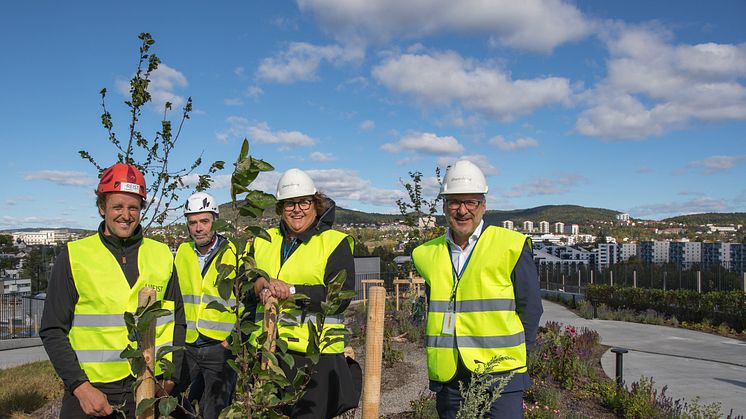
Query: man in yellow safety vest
x=208 y=329
x=96 y=280
x=483 y=294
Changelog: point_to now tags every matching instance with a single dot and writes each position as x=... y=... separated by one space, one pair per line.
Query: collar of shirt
x=202 y=258
x=459 y=256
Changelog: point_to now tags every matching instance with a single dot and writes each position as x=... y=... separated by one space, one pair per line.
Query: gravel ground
x=404 y=382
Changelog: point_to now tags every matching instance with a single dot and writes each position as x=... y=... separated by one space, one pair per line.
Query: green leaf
x=261 y=165
x=261 y=199
x=130 y=353
x=244 y=150
x=225 y=288
x=287 y=359
x=164 y=350
x=168 y=368
x=250 y=211
x=257 y=231
x=167 y=405
x=248 y=328
x=214 y=305
x=144 y=405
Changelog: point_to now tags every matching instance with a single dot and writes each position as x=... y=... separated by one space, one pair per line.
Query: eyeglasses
x=470 y=204
x=303 y=205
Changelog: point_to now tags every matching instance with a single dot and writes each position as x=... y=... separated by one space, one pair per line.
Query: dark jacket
x=62 y=296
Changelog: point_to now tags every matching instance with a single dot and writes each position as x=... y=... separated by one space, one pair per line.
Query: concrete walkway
x=15 y=352
x=690 y=363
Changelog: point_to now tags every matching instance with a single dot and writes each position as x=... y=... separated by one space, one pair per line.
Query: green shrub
x=423 y=407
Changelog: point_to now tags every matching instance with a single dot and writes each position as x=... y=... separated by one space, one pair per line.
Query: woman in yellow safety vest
x=303 y=255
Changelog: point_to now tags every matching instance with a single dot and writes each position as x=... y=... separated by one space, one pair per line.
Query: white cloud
x=164 y=82
x=482 y=161
x=654 y=86
x=518 y=144
x=533 y=24
x=301 y=61
x=239 y=127
x=18 y=199
x=346 y=187
x=425 y=142
x=560 y=184
x=446 y=78
x=49 y=222
x=254 y=91
x=367 y=125
x=716 y=164
x=239 y=71
x=668 y=209
x=62 y=177
x=233 y=102
x=319 y=156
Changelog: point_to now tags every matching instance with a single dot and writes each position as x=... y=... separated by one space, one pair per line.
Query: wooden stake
x=270 y=326
x=146 y=389
x=373 y=353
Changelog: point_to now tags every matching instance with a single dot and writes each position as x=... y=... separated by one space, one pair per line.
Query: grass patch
x=28 y=387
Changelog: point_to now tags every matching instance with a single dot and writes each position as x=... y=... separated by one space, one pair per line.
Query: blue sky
x=635 y=106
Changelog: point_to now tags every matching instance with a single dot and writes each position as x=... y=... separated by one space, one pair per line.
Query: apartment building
x=528 y=226
x=508 y=224
x=559 y=228
x=654 y=251
x=627 y=250
x=46 y=237
x=685 y=253
x=543 y=227
x=606 y=255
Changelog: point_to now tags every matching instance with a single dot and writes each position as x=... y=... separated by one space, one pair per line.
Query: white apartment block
x=528 y=226
x=654 y=251
x=46 y=237
x=574 y=229
x=627 y=250
x=606 y=255
x=622 y=217
x=543 y=227
x=508 y=224
x=559 y=228
x=13 y=285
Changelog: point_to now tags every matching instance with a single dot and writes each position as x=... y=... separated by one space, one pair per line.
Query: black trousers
x=212 y=379
x=118 y=393
x=448 y=400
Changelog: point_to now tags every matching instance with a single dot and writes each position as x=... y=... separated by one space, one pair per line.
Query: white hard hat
x=201 y=202
x=294 y=183
x=463 y=177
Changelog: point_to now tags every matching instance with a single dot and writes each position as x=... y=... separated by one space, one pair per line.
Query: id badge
x=449 y=323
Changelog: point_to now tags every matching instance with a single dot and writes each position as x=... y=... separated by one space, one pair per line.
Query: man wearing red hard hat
x=96 y=280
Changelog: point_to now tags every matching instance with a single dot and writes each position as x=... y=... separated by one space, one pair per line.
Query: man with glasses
x=484 y=299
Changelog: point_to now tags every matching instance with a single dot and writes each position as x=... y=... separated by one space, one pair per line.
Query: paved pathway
x=13 y=357
x=690 y=363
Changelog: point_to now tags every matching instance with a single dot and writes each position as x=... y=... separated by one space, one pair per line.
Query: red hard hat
x=122 y=178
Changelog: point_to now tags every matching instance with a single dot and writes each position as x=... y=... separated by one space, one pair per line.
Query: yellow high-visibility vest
x=98 y=334
x=486 y=323
x=305 y=266
x=198 y=291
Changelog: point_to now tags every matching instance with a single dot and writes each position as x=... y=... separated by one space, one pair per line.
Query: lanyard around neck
x=456 y=274
x=287 y=249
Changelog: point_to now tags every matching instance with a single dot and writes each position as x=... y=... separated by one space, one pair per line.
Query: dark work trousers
x=213 y=380
x=448 y=401
x=118 y=393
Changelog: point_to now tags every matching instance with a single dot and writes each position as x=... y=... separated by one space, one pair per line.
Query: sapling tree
x=153 y=157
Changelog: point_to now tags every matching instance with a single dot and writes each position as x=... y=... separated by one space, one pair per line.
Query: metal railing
x=20 y=315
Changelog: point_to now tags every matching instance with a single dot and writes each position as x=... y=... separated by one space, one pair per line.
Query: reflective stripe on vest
x=486 y=323
x=98 y=333
x=198 y=291
x=305 y=266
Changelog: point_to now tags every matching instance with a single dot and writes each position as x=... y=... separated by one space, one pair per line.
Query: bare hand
x=165 y=387
x=279 y=289
x=92 y=400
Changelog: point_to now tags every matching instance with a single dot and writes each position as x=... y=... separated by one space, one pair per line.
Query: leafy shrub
x=423 y=407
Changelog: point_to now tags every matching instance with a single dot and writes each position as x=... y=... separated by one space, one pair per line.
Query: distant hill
x=717 y=218
x=568 y=214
